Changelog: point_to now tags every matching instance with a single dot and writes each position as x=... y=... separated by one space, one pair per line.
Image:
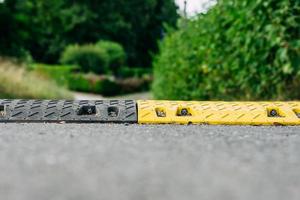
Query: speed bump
x=101 y=111
x=151 y=112
x=218 y=113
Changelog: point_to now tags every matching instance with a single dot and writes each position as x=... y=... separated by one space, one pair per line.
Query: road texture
x=132 y=162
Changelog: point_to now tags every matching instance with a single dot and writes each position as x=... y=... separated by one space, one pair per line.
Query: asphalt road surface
x=132 y=162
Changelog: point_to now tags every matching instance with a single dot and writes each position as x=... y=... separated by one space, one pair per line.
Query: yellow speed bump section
x=218 y=113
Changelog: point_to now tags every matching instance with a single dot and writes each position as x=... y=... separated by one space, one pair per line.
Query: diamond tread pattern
x=218 y=113
x=124 y=111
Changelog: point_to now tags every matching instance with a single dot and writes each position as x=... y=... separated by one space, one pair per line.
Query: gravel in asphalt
x=132 y=162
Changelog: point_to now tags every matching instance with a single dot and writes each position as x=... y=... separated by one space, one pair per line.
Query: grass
x=17 y=82
x=131 y=80
x=60 y=73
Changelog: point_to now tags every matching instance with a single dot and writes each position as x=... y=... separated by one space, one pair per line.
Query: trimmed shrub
x=90 y=58
x=79 y=82
x=133 y=85
x=107 y=87
x=92 y=83
x=245 y=50
x=116 y=54
x=67 y=76
x=129 y=72
x=60 y=73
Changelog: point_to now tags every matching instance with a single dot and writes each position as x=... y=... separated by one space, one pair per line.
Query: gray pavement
x=118 y=162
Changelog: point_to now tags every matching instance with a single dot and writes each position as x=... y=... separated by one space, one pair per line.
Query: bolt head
x=273 y=113
x=184 y=112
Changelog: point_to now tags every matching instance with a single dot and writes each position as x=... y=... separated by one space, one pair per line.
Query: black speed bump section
x=100 y=111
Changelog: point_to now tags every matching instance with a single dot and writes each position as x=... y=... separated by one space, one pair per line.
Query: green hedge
x=90 y=58
x=246 y=50
x=128 y=72
x=93 y=84
x=78 y=82
x=116 y=55
x=60 y=73
x=107 y=86
x=68 y=76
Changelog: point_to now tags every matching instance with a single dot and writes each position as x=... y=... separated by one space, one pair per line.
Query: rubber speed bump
x=102 y=111
x=151 y=112
x=219 y=113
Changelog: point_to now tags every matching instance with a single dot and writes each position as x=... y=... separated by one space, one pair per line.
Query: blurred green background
x=232 y=50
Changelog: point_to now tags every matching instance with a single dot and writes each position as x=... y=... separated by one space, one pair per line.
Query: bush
x=107 y=87
x=60 y=73
x=16 y=82
x=67 y=76
x=90 y=58
x=92 y=83
x=128 y=72
x=79 y=82
x=245 y=50
x=133 y=85
x=116 y=54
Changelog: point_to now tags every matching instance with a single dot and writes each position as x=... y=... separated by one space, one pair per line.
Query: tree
x=45 y=28
x=136 y=24
x=13 y=29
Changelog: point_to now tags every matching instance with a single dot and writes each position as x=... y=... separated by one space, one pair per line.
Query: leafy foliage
x=107 y=87
x=137 y=72
x=90 y=58
x=116 y=55
x=69 y=77
x=81 y=83
x=60 y=73
x=45 y=28
x=239 y=50
x=11 y=41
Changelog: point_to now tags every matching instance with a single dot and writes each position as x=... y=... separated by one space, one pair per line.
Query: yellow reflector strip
x=218 y=113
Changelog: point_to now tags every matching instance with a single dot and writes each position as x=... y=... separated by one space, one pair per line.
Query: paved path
x=118 y=162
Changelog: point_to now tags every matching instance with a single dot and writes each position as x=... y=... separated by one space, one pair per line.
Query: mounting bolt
x=273 y=113
x=160 y=113
x=184 y=112
x=87 y=110
x=112 y=114
x=90 y=111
